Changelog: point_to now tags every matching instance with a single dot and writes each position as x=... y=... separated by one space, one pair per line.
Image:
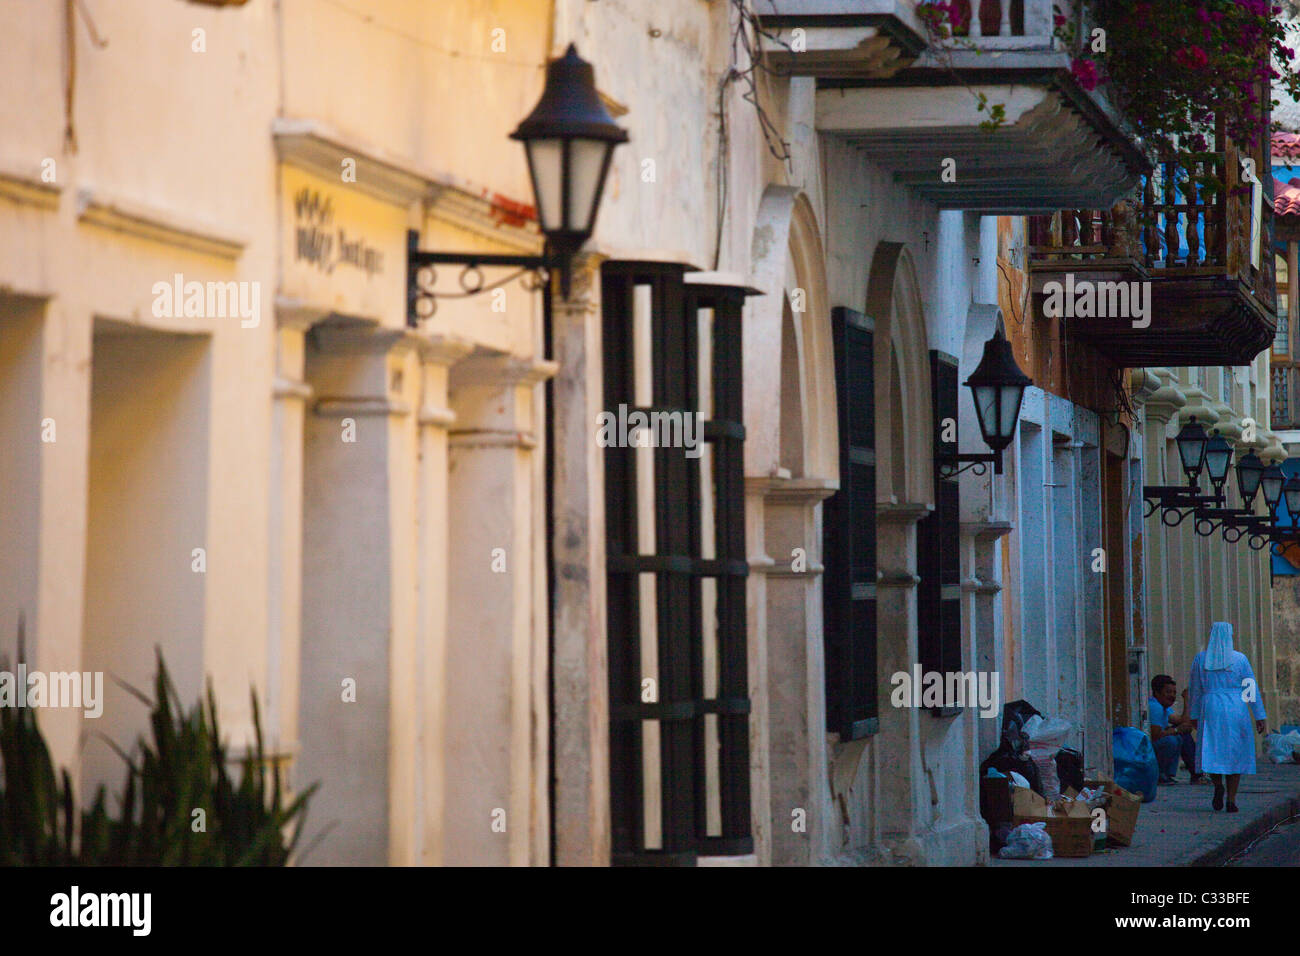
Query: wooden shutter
x=849 y=522
x=938 y=597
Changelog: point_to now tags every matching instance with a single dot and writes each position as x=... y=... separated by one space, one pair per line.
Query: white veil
x=1219 y=651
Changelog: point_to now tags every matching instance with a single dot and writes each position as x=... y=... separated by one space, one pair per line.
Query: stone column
x=580 y=674
x=796 y=667
x=434 y=419
x=359 y=673
x=491 y=708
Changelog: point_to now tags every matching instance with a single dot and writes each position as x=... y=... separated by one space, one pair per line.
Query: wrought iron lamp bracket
x=977 y=464
x=534 y=272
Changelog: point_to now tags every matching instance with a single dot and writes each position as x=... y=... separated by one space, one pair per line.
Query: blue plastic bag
x=1136 y=769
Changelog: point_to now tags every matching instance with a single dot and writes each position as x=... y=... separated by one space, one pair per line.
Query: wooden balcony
x=1205 y=254
x=910 y=108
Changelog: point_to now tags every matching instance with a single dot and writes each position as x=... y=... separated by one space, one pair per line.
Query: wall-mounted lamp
x=569 y=139
x=998 y=387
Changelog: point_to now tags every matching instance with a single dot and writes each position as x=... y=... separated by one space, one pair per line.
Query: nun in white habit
x=1222 y=701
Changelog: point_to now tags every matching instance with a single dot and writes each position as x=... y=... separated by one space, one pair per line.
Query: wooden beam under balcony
x=1050 y=153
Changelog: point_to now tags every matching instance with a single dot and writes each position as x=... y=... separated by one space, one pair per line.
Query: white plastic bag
x=1046 y=737
x=1049 y=735
x=1029 y=841
x=1031 y=725
x=1278 y=748
x=1019 y=781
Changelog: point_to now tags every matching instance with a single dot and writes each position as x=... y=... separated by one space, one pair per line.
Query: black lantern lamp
x=1291 y=494
x=568 y=139
x=998 y=388
x=1270 y=483
x=1218 y=458
x=1249 y=471
x=1192 y=445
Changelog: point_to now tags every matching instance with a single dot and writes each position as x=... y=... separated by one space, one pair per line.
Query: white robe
x=1225 y=736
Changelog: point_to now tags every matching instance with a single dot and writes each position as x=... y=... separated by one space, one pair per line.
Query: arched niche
x=788 y=344
x=902 y=374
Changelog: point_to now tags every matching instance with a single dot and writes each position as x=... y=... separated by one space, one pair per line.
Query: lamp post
x=569 y=139
x=997 y=387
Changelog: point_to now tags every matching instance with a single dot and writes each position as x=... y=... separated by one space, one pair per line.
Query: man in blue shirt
x=1171 y=735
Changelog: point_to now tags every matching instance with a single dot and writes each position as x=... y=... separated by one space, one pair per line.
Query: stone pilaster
x=580 y=673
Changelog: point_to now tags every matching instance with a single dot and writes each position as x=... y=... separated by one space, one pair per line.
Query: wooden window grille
x=678 y=678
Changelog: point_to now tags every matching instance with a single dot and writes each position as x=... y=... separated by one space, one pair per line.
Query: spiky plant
x=184 y=769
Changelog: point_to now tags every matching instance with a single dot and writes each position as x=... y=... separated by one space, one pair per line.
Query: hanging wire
x=746 y=46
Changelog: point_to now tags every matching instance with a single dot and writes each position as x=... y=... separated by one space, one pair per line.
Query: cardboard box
x=1071 y=830
x=1121 y=811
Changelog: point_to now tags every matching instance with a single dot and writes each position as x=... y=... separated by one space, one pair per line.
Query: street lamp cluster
x=1199 y=451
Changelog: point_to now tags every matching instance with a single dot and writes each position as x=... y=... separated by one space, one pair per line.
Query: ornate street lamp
x=1270 y=483
x=1218 y=456
x=568 y=140
x=1192 y=442
x=1249 y=470
x=997 y=387
x=1291 y=493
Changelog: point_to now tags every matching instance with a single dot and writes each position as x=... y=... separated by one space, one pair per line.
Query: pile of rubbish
x=1036 y=800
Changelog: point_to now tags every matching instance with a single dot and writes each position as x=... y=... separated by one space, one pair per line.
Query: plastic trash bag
x=1046 y=734
x=1008 y=759
x=1136 y=769
x=1029 y=841
x=1069 y=768
x=1279 y=748
x=1031 y=726
x=1014 y=717
x=1020 y=781
x=1045 y=761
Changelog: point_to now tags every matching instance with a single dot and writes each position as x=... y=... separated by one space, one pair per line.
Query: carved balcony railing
x=1204 y=252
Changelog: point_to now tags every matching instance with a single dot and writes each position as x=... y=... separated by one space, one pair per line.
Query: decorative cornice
x=381 y=174
x=494 y=370
x=445 y=349
x=298 y=313
x=1198 y=407
x=436 y=416
x=492 y=438
x=288 y=388
x=985 y=532
x=360 y=407
x=800 y=491
x=29 y=189
x=158 y=225
x=1229 y=423
x=901 y=512
x=350 y=336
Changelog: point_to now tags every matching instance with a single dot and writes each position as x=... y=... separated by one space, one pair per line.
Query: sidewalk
x=1180 y=829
